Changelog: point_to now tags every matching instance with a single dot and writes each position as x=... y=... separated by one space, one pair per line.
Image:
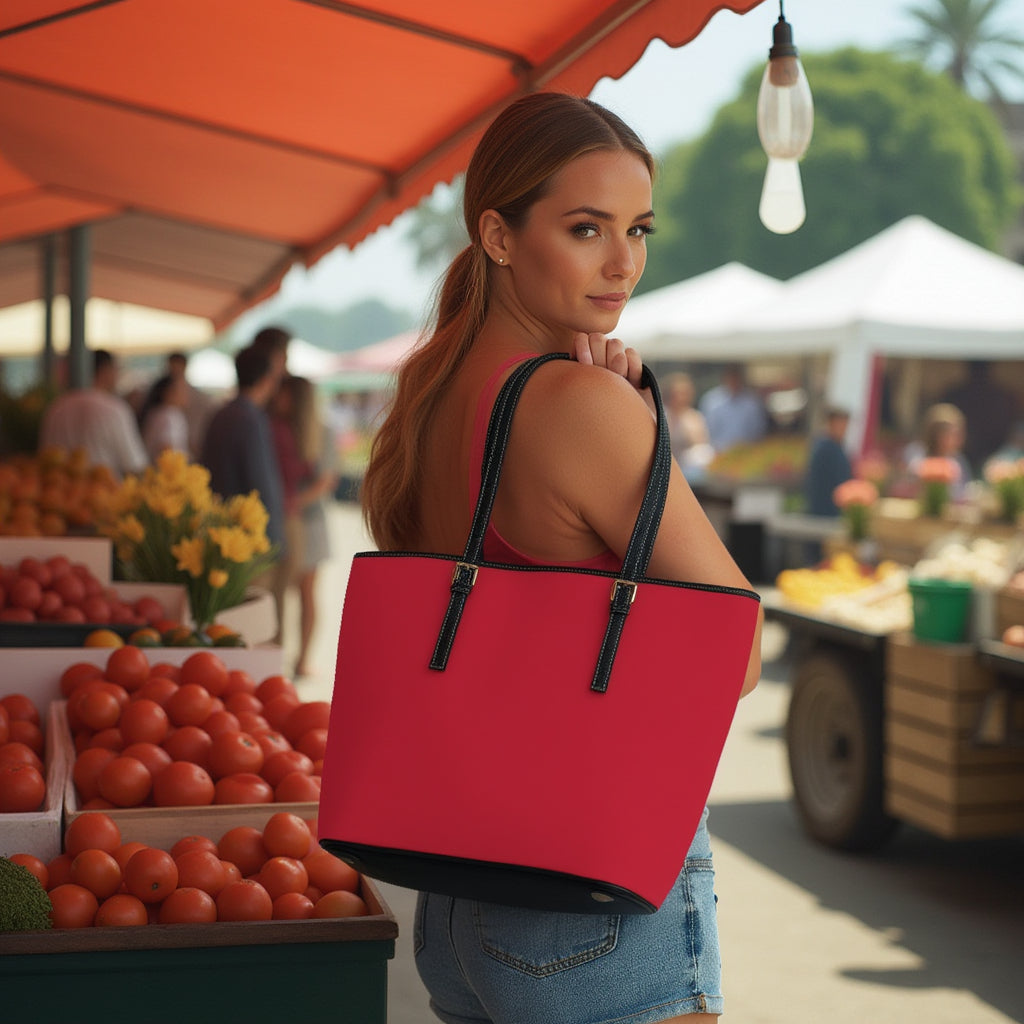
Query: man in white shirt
x=98 y=421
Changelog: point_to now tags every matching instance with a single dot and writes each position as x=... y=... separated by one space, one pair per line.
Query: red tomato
x=233 y=752
x=25 y=593
x=293 y=906
x=190 y=704
x=244 y=901
x=23 y=788
x=150 y=609
x=188 y=843
x=73 y=906
x=14 y=752
x=189 y=743
x=126 y=851
x=243 y=788
x=18 y=706
x=243 y=846
x=122 y=910
x=298 y=788
x=283 y=874
x=70 y=589
x=58 y=870
x=165 y=669
x=92 y=831
x=283 y=763
x=86 y=771
x=98 y=709
x=128 y=666
x=252 y=723
x=313 y=744
x=272 y=686
x=5 y=726
x=205 y=669
x=201 y=869
x=78 y=673
x=183 y=784
x=109 y=739
x=286 y=835
x=277 y=710
x=231 y=871
x=144 y=721
x=151 y=875
x=329 y=873
x=340 y=903
x=37 y=570
x=188 y=905
x=158 y=688
x=125 y=782
x=272 y=743
x=239 y=681
x=33 y=865
x=23 y=731
x=50 y=605
x=97 y=871
x=221 y=721
x=241 y=700
x=315 y=714
x=153 y=757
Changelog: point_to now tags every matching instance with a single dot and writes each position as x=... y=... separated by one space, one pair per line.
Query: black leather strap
x=638 y=553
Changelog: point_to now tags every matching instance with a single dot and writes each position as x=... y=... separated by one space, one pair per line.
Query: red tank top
x=496 y=548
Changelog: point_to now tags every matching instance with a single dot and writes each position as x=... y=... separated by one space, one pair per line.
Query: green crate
x=273 y=971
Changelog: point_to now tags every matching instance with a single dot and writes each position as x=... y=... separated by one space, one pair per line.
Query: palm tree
x=964 y=34
x=436 y=232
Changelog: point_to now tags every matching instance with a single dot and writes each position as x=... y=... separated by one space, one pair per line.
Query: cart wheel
x=834 y=741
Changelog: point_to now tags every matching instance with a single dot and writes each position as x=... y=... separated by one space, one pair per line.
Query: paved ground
x=926 y=931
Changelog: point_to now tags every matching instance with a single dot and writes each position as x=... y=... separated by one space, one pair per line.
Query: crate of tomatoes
x=153 y=743
x=256 y=923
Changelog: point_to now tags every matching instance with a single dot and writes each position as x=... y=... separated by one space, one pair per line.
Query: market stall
x=906 y=692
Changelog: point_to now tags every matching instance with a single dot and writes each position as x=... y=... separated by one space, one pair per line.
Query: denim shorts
x=489 y=964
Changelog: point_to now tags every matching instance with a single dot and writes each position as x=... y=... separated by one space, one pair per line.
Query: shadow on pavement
x=958 y=906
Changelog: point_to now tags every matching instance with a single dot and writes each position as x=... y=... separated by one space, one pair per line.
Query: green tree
x=436 y=231
x=891 y=138
x=964 y=36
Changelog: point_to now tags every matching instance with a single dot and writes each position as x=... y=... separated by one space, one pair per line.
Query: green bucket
x=941 y=609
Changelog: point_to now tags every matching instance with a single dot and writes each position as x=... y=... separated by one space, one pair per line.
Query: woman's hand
x=599 y=350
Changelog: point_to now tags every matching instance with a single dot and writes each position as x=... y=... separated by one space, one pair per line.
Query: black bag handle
x=641 y=543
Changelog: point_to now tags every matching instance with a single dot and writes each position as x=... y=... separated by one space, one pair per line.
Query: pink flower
x=855 y=492
x=939 y=470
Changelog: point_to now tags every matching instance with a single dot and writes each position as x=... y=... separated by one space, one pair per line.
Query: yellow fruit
x=103 y=638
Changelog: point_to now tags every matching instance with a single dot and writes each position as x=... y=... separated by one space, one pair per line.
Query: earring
x=501 y=259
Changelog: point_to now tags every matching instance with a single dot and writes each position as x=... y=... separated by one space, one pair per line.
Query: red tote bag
x=530 y=735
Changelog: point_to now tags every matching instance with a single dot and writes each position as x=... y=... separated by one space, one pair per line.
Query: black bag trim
x=490 y=882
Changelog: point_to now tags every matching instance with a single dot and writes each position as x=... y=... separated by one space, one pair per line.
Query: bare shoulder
x=568 y=400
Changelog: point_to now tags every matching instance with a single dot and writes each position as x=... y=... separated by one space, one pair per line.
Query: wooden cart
x=882 y=729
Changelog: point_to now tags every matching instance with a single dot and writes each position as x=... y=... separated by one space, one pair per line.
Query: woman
x=558 y=207
x=299 y=444
x=162 y=419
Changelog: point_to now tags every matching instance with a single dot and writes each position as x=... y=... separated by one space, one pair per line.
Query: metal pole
x=79 y=370
x=48 y=365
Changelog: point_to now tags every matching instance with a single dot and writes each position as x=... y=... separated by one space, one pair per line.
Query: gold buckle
x=624 y=583
x=459 y=567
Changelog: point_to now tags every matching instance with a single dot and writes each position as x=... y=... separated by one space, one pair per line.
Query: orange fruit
x=103 y=638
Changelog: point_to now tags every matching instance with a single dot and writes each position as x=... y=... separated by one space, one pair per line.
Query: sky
x=668 y=96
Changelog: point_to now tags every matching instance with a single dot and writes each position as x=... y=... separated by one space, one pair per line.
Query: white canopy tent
x=121 y=327
x=913 y=290
x=687 y=317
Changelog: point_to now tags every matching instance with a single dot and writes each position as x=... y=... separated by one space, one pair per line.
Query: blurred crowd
x=270 y=436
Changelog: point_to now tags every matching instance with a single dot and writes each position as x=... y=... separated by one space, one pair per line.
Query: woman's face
x=583 y=247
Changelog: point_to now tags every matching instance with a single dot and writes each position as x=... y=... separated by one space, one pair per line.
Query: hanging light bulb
x=785 y=120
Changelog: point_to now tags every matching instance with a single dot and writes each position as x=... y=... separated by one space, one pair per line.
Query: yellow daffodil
x=189 y=553
x=217 y=578
x=235 y=544
x=129 y=528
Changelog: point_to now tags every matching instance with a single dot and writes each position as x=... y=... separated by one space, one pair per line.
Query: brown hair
x=511 y=169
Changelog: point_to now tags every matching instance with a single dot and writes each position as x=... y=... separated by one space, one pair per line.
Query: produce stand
x=264 y=971
x=883 y=728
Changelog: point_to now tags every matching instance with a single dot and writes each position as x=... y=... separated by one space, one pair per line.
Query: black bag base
x=508 y=884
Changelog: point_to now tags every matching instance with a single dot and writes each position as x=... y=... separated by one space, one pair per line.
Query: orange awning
x=214 y=143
